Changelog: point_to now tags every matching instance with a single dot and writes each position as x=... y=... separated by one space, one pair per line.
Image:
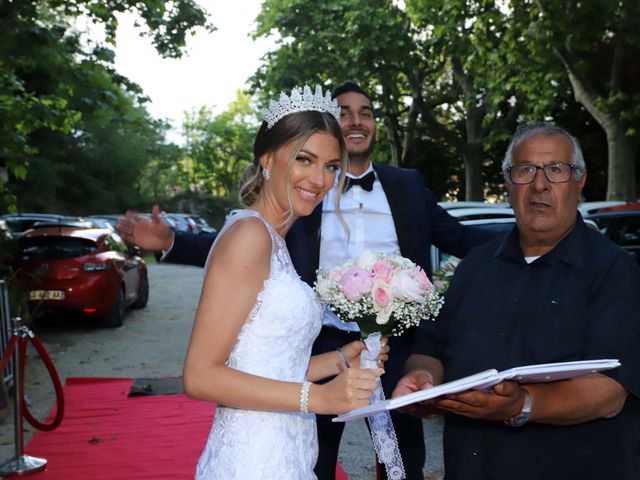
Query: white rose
x=323 y=287
x=405 y=286
x=382 y=317
x=366 y=260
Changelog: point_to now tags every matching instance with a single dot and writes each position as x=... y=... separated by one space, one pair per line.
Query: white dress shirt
x=371 y=227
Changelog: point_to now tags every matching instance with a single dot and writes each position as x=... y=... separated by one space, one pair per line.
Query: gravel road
x=152 y=343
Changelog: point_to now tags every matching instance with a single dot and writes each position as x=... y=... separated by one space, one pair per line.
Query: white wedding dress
x=275 y=342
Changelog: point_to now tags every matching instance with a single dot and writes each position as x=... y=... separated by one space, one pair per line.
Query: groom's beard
x=359 y=158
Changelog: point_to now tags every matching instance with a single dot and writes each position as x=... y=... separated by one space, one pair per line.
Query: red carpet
x=107 y=435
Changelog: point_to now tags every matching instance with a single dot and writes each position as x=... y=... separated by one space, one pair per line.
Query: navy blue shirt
x=580 y=301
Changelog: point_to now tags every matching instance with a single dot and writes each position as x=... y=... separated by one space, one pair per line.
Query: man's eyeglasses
x=554 y=173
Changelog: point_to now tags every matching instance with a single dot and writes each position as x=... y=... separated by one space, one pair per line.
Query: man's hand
x=413 y=382
x=502 y=402
x=149 y=234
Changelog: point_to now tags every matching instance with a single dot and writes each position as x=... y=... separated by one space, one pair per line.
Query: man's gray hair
x=530 y=129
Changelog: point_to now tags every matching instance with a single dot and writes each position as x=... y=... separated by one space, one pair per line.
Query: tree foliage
x=52 y=84
x=219 y=148
x=452 y=77
x=595 y=44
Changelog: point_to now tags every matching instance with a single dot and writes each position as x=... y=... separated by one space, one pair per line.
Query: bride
x=256 y=320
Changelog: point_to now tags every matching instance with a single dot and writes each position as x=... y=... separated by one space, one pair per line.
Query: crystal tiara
x=300 y=100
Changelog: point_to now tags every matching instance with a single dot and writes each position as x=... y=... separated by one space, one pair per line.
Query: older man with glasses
x=553 y=290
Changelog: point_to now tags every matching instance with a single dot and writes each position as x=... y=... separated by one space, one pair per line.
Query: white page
x=551 y=372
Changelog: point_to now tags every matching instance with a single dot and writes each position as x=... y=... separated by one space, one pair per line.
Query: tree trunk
x=621 y=181
x=472 y=156
x=392 y=122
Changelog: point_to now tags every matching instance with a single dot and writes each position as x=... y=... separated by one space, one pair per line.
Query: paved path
x=152 y=343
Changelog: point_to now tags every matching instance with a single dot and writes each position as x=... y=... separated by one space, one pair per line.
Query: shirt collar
x=370 y=169
x=572 y=249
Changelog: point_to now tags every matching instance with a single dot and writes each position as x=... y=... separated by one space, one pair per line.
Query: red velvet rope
x=55 y=379
x=13 y=341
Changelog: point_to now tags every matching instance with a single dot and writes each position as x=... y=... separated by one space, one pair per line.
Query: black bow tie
x=365 y=182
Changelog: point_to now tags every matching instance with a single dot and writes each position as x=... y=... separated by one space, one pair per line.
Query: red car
x=85 y=270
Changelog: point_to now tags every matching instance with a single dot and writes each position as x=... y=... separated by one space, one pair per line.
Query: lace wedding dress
x=275 y=342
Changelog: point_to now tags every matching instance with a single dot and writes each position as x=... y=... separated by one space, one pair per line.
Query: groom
x=388 y=210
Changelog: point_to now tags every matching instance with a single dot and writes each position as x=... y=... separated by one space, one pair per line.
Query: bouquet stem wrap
x=382 y=432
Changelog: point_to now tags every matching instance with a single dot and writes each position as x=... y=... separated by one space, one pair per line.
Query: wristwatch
x=523 y=417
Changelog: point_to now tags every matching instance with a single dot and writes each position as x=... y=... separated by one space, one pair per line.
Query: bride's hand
x=351 y=352
x=351 y=389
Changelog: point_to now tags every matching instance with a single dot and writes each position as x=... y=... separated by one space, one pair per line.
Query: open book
x=546 y=372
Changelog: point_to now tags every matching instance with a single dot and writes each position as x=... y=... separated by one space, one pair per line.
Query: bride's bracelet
x=304 y=397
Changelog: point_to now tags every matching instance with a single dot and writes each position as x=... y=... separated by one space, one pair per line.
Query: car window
x=114 y=242
x=19 y=225
x=55 y=248
x=603 y=223
x=628 y=231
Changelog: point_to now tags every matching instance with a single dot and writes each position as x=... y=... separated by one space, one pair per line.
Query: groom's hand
x=151 y=234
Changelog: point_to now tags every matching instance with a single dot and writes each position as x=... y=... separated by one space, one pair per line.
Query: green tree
x=219 y=148
x=41 y=54
x=95 y=168
x=428 y=65
x=596 y=44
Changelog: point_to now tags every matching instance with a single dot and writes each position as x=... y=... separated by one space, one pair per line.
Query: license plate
x=46 y=295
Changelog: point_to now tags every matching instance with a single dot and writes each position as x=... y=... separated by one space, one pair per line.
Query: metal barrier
x=5 y=332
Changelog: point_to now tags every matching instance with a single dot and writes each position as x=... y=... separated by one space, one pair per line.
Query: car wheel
x=143 y=294
x=116 y=317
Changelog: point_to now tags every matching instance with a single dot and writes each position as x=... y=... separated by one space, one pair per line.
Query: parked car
x=625 y=206
x=498 y=225
x=472 y=204
x=18 y=223
x=622 y=226
x=587 y=208
x=75 y=223
x=182 y=222
x=478 y=213
x=203 y=226
x=90 y=271
x=104 y=220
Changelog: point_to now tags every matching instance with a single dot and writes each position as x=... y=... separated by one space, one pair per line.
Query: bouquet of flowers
x=383 y=293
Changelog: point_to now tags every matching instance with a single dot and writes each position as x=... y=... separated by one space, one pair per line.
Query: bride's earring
x=266 y=174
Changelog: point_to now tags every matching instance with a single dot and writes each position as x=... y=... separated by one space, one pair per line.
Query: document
x=545 y=372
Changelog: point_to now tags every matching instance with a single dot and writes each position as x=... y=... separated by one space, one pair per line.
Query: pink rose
x=382 y=296
x=382 y=270
x=355 y=282
x=407 y=287
x=422 y=279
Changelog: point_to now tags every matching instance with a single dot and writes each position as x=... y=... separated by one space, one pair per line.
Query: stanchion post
x=20 y=464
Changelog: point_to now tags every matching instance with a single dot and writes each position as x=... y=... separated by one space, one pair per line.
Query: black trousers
x=408 y=428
